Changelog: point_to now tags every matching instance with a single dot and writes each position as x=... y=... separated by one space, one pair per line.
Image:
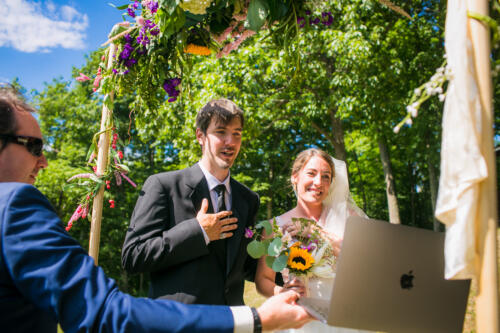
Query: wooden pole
x=487 y=310
x=102 y=161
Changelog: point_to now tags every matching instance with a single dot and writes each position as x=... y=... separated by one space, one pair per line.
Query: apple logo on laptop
x=407 y=280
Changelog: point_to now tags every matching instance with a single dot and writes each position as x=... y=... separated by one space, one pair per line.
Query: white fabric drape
x=462 y=165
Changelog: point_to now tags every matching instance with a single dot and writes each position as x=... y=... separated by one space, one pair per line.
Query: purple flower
x=308 y=12
x=148 y=24
x=154 y=31
x=127 y=38
x=315 y=20
x=327 y=18
x=142 y=39
x=153 y=6
x=131 y=12
x=136 y=4
x=115 y=71
x=130 y=62
x=169 y=87
x=248 y=233
x=301 y=22
x=126 y=52
x=175 y=81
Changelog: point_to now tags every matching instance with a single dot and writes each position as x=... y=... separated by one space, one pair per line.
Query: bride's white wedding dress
x=336 y=208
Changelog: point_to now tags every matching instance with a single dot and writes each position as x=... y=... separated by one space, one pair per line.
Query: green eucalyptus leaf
x=266 y=225
x=275 y=247
x=258 y=10
x=270 y=261
x=280 y=263
x=256 y=249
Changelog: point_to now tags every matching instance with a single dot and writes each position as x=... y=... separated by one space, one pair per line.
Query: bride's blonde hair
x=304 y=157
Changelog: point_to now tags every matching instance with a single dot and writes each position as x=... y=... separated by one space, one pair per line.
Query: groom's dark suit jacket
x=166 y=240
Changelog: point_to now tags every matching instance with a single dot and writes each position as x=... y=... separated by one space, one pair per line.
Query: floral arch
x=148 y=55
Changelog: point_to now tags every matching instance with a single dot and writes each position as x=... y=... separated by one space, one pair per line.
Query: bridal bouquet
x=307 y=253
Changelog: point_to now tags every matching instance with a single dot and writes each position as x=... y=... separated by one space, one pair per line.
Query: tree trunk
x=361 y=181
x=433 y=188
x=390 y=184
x=336 y=137
x=412 y=193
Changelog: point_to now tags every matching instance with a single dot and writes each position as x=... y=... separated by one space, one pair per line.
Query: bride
x=322 y=189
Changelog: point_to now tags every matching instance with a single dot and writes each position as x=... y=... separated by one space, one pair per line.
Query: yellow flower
x=300 y=259
x=197 y=49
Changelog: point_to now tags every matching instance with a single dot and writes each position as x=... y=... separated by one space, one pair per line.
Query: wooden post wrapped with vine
x=102 y=162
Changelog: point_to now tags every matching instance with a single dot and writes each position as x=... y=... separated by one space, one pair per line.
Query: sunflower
x=299 y=259
x=197 y=49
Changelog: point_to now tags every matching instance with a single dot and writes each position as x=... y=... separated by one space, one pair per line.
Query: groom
x=187 y=226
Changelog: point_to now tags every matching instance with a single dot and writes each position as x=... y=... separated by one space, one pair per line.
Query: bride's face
x=313 y=180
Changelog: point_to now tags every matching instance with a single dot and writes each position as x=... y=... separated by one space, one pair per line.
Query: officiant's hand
x=218 y=225
x=282 y=312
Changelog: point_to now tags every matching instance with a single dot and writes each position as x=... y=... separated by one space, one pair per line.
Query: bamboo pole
x=487 y=310
x=102 y=161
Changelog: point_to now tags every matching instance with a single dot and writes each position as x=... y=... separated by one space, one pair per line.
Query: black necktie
x=219 y=246
x=221 y=197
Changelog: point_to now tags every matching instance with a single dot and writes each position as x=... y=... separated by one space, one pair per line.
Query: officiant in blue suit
x=47 y=278
x=187 y=227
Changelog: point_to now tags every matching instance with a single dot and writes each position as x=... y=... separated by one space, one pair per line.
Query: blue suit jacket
x=46 y=277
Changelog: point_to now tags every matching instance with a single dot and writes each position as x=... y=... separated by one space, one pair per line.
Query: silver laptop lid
x=391 y=278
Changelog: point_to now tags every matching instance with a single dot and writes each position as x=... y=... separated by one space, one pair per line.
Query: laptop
x=390 y=278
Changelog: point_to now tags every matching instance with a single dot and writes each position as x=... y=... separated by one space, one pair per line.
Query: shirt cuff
x=207 y=240
x=243 y=319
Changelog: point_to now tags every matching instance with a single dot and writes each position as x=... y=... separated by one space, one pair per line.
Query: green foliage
x=338 y=88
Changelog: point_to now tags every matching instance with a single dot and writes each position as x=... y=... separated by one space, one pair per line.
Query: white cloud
x=26 y=26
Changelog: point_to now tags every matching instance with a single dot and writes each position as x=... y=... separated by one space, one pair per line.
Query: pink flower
x=128 y=179
x=248 y=233
x=140 y=20
x=82 y=78
x=80 y=175
x=97 y=81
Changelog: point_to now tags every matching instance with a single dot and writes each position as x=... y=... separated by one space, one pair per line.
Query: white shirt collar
x=213 y=182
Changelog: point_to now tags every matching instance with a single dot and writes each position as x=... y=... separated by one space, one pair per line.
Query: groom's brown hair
x=223 y=111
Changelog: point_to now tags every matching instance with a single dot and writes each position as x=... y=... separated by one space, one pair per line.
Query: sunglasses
x=33 y=145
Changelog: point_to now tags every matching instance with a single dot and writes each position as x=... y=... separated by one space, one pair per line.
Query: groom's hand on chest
x=217 y=226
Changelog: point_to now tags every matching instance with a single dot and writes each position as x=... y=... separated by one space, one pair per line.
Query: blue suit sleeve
x=52 y=271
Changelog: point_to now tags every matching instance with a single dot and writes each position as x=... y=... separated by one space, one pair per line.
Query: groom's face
x=220 y=144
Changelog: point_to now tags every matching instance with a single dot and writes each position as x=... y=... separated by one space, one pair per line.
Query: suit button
x=226 y=290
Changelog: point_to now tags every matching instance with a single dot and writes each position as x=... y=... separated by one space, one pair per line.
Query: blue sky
x=43 y=39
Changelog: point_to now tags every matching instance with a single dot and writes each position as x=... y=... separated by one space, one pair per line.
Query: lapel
x=239 y=208
x=197 y=189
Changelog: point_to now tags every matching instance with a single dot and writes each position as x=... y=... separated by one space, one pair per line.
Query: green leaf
x=275 y=247
x=280 y=263
x=123 y=167
x=122 y=7
x=266 y=225
x=270 y=261
x=116 y=30
x=256 y=249
x=108 y=101
x=258 y=10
